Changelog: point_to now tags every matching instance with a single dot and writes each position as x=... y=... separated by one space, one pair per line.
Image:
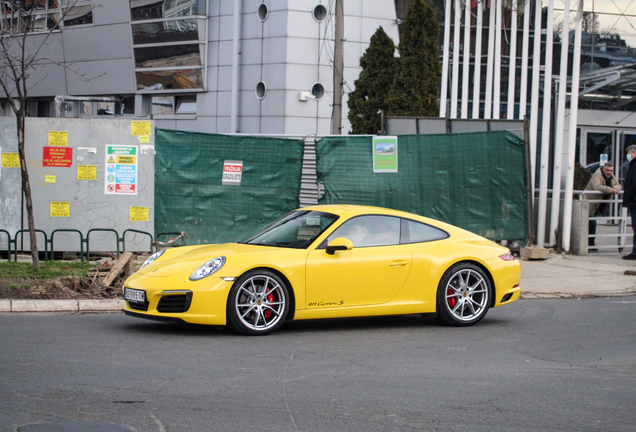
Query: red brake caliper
x=270 y=298
x=452 y=301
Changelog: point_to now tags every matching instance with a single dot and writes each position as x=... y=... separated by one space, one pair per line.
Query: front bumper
x=179 y=299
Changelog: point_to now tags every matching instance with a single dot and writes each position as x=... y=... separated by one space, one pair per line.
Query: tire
x=258 y=303
x=463 y=295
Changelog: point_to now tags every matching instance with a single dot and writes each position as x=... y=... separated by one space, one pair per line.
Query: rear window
x=417 y=232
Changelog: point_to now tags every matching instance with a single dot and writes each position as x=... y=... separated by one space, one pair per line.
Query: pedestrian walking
x=629 y=198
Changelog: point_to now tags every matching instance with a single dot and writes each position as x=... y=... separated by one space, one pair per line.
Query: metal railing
x=617 y=217
x=84 y=241
x=617 y=220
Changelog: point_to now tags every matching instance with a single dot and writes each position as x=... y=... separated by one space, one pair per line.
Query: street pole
x=336 y=119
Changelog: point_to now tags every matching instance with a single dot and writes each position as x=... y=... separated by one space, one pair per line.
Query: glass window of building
x=168 y=51
x=20 y=16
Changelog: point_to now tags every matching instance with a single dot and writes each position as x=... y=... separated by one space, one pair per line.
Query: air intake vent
x=176 y=303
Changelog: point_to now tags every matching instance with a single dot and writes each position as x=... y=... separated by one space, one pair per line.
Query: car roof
x=351 y=209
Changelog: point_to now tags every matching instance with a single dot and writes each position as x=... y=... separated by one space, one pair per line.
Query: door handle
x=400 y=263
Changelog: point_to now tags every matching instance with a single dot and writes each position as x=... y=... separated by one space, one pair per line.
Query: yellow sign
x=139 y=214
x=58 y=138
x=87 y=172
x=49 y=179
x=144 y=139
x=60 y=209
x=10 y=160
x=141 y=128
x=129 y=160
x=111 y=160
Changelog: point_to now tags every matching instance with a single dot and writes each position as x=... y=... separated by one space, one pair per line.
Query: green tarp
x=190 y=196
x=476 y=181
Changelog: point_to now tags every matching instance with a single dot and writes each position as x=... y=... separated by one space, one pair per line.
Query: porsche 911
x=328 y=261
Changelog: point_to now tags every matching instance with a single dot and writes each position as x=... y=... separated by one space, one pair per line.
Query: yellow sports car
x=328 y=261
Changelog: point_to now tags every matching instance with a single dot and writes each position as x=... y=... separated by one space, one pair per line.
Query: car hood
x=192 y=258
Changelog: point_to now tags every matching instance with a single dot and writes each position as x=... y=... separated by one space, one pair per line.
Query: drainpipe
x=496 y=107
x=512 y=63
x=236 y=51
x=444 y=91
x=574 y=111
x=466 y=68
x=477 y=79
x=545 y=132
x=490 y=62
x=560 y=126
x=523 y=97
x=534 y=97
x=455 y=76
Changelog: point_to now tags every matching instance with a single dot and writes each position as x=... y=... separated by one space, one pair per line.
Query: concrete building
x=247 y=66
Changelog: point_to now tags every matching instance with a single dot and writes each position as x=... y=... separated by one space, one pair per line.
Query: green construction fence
x=191 y=197
x=476 y=181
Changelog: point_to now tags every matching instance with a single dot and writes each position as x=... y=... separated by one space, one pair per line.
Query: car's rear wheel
x=463 y=295
x=258 y=303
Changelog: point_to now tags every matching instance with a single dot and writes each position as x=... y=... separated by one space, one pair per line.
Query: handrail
x=123 y=237
x=9 y=241
x=67 y=230
x=84 y=252
x=15 y=242
x=88 y=234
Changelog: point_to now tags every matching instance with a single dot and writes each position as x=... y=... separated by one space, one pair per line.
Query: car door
x=371 y=273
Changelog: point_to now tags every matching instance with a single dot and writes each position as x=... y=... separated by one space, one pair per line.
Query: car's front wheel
x=463 y=295
x=258 y=303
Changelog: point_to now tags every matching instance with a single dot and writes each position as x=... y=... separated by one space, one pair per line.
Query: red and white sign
x=57 y=157
x=232 y=172
x=123 y=188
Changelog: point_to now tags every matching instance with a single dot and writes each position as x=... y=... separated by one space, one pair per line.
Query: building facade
x=244 y=66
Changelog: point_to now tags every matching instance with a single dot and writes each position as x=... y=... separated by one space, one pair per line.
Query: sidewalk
x=573 y=276
x=560 y=276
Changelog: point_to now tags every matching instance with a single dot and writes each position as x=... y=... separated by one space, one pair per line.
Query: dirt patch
x=63 y=287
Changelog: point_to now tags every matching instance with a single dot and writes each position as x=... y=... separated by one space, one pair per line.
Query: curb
x=570 y=295
x=61 y=305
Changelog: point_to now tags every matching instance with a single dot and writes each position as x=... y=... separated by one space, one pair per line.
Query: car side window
x=417 y=232
x=367 y=231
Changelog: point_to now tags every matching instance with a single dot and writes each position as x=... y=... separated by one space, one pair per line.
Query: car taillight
x=507 y=257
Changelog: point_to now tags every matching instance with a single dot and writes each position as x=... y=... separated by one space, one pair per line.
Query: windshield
x=297 y=229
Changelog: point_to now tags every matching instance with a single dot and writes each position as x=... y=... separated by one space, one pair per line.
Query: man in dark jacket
x=629 y=198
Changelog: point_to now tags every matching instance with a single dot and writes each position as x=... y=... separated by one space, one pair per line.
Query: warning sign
x=87 y=172
x=57 y=157
x=232 y=172
x=139 y=214
x=49 y=179
x=141 y=128
x=10 y=160
x=130 y=160
x=121 y=170
x=58 y=138
x=60 y=209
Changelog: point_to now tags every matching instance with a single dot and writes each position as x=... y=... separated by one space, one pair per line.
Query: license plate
x=135 y=295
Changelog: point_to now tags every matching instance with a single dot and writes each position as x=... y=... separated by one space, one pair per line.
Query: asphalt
x=560 y=276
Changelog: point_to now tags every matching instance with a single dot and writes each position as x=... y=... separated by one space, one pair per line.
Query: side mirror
x=339 y=244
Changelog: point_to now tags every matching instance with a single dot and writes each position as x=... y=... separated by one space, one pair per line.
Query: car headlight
x=208 y=268
x=151 y=259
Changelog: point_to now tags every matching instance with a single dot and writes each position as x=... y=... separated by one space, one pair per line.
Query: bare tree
x=26 y=27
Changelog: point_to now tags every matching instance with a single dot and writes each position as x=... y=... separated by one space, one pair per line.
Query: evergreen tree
x=416 y=88
x=373 y=85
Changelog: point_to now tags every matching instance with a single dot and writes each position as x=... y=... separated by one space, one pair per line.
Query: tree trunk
x=26 y=190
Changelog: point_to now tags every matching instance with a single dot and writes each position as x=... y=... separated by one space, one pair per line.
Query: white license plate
x=135 y=295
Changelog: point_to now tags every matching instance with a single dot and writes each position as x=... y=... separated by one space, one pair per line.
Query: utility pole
x=336 y=117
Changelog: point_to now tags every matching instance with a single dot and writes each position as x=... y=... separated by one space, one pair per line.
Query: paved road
x=536 y=365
